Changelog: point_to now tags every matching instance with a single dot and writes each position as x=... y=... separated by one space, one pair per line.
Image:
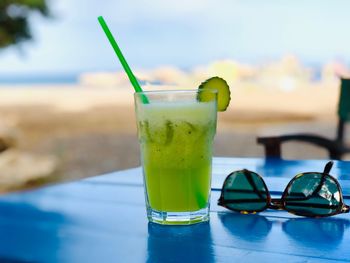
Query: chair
x=336 y=148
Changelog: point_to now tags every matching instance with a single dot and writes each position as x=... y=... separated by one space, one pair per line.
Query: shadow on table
x=328 y=231
x=27 y=232
x=248 y=227
x=179 y=243
x=312 y=231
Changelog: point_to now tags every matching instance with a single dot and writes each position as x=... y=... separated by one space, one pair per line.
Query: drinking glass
x=176 y=131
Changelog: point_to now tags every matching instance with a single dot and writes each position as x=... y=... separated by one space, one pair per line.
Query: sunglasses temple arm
x=345 y=209
x=327 y=169
x=276 y=204
x=251 y=182
x=221 y=201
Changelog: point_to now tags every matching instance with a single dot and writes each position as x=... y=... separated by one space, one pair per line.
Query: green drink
x=176 y=132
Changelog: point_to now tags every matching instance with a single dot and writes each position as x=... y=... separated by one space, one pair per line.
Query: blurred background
x=65 y=97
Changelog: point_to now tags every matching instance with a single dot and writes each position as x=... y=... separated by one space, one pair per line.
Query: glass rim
x=179 y=91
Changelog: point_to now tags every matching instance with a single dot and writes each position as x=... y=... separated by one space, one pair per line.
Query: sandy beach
x=92 y=130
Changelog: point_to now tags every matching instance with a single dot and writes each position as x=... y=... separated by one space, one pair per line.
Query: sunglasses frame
x=280 y=203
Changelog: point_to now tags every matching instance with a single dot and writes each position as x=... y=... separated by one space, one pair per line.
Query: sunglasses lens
x=244 y=191
x=313 y=194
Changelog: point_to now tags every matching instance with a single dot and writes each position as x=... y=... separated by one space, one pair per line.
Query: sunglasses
x=309 y=194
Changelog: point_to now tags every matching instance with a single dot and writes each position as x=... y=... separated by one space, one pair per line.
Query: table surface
x=103 y=219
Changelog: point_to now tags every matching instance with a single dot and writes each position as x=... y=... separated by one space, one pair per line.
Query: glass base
x=178 y=218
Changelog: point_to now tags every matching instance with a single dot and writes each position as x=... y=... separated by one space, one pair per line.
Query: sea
x=38 y=79
x=73 y=78
x=45 y=79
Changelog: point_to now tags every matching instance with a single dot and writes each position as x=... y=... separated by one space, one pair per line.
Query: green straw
x=122 y=60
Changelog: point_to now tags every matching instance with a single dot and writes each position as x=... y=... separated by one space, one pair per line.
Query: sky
x=182 y=33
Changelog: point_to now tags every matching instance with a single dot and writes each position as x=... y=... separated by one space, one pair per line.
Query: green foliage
x=14 y=23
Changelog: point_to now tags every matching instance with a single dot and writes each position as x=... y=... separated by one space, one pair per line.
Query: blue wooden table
x=103 y=219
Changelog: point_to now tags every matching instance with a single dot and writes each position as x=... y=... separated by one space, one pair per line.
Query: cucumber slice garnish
x=224 y=94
